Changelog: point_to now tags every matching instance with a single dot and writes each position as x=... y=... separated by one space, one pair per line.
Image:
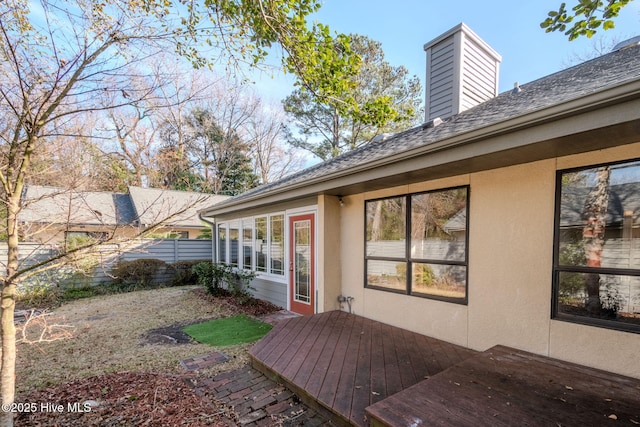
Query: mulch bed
x=251 y=307
x=124 y=399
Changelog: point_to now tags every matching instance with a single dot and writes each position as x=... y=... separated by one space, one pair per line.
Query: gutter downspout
x=202 y=218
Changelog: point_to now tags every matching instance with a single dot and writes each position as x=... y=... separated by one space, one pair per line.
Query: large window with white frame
x=255 y=243
x=416 y=244
x=596 y=277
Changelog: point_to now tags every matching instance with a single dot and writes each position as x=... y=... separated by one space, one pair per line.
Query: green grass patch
x=228 y=331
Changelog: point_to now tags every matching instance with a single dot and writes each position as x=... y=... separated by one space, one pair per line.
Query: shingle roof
x=152 y=204
x=602 y=73
x=145 y=206
x=58 y=206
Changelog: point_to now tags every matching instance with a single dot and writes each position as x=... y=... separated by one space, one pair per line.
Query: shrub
x=238 y=282
x=213 y=276
x=37 y=295
x=184 y=274
x=220 y=279
x=137 y=274
x=74 y=293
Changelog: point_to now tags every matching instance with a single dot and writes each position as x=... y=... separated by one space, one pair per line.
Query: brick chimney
x=462 y=72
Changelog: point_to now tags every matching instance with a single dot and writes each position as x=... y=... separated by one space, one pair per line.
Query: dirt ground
x=123 y=355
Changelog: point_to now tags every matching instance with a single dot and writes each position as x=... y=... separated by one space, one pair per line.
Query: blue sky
x=510 y=27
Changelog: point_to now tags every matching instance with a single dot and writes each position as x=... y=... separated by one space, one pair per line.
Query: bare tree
x=138 y=128
x=272 y=158
x=48 y=75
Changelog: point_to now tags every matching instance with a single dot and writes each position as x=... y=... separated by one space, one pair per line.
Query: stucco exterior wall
x=329 y=259
x=510 y=256
x=511 y=215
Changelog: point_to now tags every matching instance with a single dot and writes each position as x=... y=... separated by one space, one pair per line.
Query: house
x=464 y=229
x=53 y=215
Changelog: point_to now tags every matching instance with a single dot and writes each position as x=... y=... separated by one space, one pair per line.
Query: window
x=276 y=243
x=75 y=239
x=222 y=243
x=234 y=245
x=417 y=244
x=90 y=235
x=261 y=243
x=597 y=246
x=247 y=244
x=253 y=244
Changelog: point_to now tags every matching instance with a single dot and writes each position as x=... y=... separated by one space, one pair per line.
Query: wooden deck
x=505 y=387
x=366 y=373
x=344 y=363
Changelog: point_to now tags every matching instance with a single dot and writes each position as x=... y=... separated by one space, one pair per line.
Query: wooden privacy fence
x=168 y=250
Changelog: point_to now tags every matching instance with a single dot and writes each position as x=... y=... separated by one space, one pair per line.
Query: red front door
x=302 y=264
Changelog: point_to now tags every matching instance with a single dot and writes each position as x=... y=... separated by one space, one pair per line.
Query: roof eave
x=613 y=95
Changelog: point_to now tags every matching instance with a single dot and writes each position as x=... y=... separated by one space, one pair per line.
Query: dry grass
x=108 y=337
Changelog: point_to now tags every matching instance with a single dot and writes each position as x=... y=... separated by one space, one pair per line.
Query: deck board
x=343 y=396
x=279 y=347
x=345 y=362
x=295 y=342
x=302 y=354
x=361 y=397
x=339 y=355
x=378 y=376
x=307 y=366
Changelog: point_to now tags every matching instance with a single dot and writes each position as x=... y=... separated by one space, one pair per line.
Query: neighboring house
x=53 y=215
x=177 y=209
x=464 y=229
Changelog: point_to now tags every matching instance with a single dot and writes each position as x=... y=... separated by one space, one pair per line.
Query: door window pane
x=302 y=261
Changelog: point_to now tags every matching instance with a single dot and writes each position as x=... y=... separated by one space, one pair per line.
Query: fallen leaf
x=568 y=387
x=613 y=416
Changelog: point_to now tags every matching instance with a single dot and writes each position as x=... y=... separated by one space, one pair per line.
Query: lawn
x=229 y=331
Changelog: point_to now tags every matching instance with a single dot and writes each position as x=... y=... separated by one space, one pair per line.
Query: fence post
x=176 y=252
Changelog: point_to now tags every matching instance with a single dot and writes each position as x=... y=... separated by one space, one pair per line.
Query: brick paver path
x=256 y=401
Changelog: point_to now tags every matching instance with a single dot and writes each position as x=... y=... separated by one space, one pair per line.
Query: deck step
x=504 y=386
